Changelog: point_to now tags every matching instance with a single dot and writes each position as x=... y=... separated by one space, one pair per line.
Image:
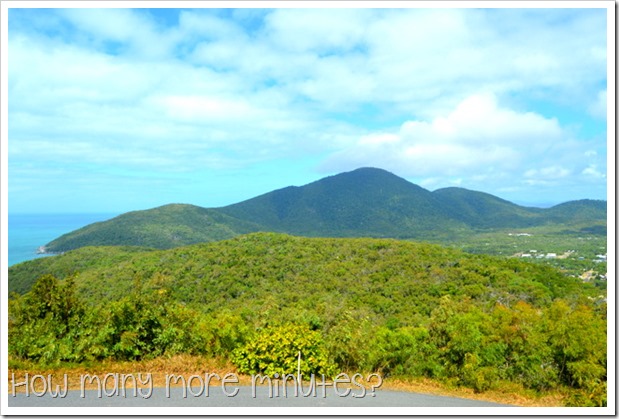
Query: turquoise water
x=29 y=231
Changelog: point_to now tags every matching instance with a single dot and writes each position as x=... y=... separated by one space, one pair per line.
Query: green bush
x=398 y=352
x=44 y=323
x=275 y=349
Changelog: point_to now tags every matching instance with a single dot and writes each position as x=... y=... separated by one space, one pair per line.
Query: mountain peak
x=369 y=172
x=369 y=177
x=365 y=202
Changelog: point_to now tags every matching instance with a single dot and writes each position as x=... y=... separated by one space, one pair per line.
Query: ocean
x=29 y=231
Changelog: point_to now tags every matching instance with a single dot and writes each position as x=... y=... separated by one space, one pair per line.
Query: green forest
x=366 y=202
x=399 y=308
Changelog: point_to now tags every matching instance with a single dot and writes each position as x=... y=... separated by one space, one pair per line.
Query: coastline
x=42 y=250
x=29 y=233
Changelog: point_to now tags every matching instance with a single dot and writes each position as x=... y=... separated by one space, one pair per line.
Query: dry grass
x=187 y=366
x=159 y=368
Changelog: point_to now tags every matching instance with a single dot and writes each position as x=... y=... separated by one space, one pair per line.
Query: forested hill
x=269 y=258
x=389 y=306
x=366 y=202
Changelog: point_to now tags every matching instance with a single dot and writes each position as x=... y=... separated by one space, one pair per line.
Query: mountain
x=366 y=202
x=581 y=210
x=482 y=210
x=162 y=228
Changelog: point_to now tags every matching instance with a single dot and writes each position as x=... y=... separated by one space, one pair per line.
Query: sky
x=113 y=110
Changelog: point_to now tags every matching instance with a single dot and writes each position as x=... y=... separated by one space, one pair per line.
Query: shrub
x=275 y=349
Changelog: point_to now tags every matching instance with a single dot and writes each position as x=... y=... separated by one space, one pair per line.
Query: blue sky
x=112 y=110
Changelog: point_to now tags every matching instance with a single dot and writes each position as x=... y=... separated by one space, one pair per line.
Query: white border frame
x=5 y=5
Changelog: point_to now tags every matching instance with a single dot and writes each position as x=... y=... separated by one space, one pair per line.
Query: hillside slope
x=393 y=307
x=366 y=202
x=163 y=227
x=483 y=210
x=247 y=269
x=578 y=211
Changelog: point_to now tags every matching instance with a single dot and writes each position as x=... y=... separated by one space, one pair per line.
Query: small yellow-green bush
x=276 y=349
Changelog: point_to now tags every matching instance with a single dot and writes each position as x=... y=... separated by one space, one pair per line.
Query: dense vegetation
x=162 y=228
x=362 y=203
x=399 y=308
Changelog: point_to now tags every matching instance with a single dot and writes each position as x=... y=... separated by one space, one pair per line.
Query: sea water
x=27 y=232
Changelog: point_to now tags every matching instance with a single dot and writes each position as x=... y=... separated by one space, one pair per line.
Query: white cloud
x=478 y=135
x=593 y=172
x=109 y=24
x=204 y=109
x=133 y=31
x=320 y=31
x=420 y=92
x=207 y=26
x=412 y=61
x=597 y=108
x=553 y=172
x=426 y=61
x=44 y=78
